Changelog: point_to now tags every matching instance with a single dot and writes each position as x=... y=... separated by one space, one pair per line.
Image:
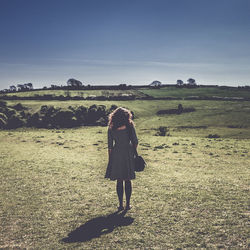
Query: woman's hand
x=109 y=151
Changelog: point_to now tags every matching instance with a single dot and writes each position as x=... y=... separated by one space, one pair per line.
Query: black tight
x=119 y=190
x=128 y=191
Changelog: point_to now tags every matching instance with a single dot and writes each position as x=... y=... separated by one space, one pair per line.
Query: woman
x=122 y=142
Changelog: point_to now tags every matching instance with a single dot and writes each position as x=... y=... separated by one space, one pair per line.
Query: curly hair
x=120 y=117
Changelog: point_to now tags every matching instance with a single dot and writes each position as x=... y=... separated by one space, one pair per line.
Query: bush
x=180 y=108
x=44 y=109
x=34 y=121
x=112 y=108
x=15 y=121
x=24 y=115
x=102 y=122
x=51 y=117
x=9 y=112
x=92 y=115
x=3 y=120
x=81 y=114
x=47 y=116
x=162 y=131
x=64 y=119
x=3 y=104
x=19 y=107
x=213 y=136
x=177 y=111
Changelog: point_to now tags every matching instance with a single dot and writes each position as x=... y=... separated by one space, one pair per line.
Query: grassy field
x=192 y=194
x=216 y=116
x=81 y=93
x=200 y=92
x=171 y=91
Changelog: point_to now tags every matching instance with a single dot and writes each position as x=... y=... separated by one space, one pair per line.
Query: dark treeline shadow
x=98 y=226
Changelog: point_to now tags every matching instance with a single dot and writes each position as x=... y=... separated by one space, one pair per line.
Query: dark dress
x=121 y=161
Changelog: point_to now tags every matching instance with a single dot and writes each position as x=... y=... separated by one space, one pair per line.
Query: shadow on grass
x=98 y=226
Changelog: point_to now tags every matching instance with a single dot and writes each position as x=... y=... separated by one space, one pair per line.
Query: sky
x=124 y=41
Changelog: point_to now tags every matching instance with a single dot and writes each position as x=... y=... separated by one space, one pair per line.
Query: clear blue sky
x=124 y=41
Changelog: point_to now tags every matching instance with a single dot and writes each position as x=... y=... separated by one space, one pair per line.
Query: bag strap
x=129 y=128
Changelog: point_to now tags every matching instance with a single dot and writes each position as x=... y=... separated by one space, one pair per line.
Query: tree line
x=50 y=117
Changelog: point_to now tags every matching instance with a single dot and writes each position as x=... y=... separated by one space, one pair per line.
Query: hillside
x=226 y=118
x=201 y=92
x=167 y=92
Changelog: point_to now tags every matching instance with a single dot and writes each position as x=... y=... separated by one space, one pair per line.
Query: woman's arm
x=110 y=141
x=134 y=137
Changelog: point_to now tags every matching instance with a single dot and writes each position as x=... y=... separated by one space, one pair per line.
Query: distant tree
x=25 y=86
x=29 y=85
x=155 y=84
x=122 y=86
x=13 y=88
x=179 y=82
x=20 y=87
x=53 y=86
x=191 y=81
x=74 y=83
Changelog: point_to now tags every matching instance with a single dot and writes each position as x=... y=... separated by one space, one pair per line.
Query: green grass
x=216 y=115
x=192 y=194
x=81 y=93
x=200 y=92
x=159 y=93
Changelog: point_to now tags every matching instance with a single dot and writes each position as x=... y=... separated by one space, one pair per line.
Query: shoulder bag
x=139 y=161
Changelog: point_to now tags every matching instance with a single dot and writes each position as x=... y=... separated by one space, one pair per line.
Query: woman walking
x=122 y=141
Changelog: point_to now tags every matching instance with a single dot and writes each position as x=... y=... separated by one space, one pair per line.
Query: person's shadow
x=96 y=227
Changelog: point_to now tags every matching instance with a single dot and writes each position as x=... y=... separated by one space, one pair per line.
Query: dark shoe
x=128 y=207
x=120 y=208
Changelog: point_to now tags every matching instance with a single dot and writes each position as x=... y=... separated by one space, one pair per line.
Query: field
x=80 y=93
x=199 y=92
x=170 y=91
x=192 y=194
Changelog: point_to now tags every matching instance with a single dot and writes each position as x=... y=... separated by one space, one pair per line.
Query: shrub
x=47 y=116
x=177 y=111
x=3 y=104
x=112 y=108
x=64 y=119
x=19 y=107
x=81 y=114
x=24 y=115
x=33 y=120
x=44 y=109
x=180 y=108
x=162 y=131
x=102 y=122
x=15 y=121
x=3 y=110
x=101 y=111
x=213 y=136
x=92 y=115
x=9 y=112
x=3 y=120
x=51 y=117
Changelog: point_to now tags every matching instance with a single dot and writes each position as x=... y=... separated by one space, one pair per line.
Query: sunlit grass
x=200 y=92
x=192 y=194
